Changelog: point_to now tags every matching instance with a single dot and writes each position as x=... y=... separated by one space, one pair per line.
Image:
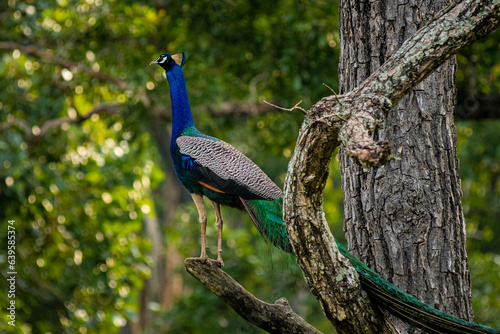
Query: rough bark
x=330 y=276
x=418 y=57
x=404 y=219
x=273 y=318
x=351 y=119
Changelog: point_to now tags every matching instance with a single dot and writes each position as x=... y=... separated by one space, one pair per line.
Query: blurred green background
x=102 y=225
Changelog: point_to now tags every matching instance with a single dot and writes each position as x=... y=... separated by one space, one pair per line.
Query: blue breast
x=182 y=125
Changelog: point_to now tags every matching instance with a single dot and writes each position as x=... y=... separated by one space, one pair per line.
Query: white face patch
x=164 y=59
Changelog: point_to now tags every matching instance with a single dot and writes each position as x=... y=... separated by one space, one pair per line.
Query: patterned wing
x=225 y=169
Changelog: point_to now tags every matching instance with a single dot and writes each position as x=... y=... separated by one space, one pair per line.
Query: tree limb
x=273 y=318
x=351 y=122
x=330 y=276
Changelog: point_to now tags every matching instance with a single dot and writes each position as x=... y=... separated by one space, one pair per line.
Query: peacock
x=207 y=166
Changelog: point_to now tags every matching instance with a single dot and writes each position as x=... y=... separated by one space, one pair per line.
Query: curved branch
x=330 y=275
x=273 y=318
x=350 y=120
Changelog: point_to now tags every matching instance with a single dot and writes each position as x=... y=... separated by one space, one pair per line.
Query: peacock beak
x=154 y=62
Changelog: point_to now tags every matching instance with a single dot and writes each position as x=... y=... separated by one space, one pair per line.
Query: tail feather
x=267 y=217
x=409 y=308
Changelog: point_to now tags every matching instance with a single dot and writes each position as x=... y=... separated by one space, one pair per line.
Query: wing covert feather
x=229 y=164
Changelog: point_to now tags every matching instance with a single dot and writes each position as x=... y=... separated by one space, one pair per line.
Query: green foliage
x=76 y=196
x=485 y=275
x=77 y=192
x=479 y=170
x=80 y=260
x=479 y=67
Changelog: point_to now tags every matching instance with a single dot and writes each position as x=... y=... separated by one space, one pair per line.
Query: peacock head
x=168 y=61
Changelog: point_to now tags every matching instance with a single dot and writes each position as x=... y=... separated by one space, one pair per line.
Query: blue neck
x=181 y=112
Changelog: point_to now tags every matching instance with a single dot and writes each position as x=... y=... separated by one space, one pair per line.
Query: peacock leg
x=218 y=223
x=198 y=200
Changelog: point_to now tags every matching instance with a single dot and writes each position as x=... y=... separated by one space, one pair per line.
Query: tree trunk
x=404 y=219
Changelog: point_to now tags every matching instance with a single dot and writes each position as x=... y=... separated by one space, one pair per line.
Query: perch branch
x=273 y=318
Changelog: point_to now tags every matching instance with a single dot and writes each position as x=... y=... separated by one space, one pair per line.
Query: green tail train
x=267 y=218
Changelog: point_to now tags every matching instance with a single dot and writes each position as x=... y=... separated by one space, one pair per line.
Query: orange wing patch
x=210 y=187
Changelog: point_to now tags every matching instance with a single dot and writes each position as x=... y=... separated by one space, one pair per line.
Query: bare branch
x=273 y=318
x=296 y=106
x=334 y=93
x=48 y=55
